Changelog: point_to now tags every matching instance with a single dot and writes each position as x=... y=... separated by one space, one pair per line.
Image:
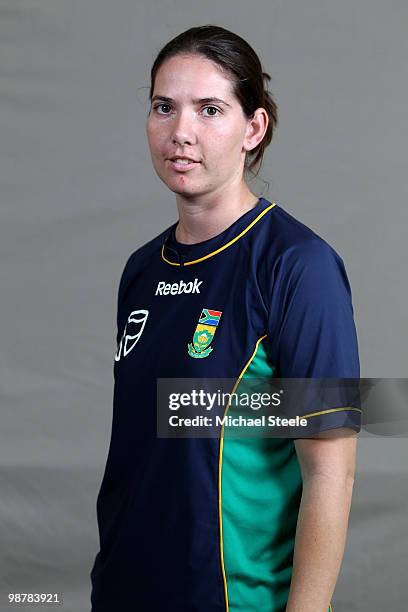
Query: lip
x=182 y=167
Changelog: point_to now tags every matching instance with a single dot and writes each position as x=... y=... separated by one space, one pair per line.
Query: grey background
x=79 y=194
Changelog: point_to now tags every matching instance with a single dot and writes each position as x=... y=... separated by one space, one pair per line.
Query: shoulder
x=296 y=265
x=144 y=252
x=290 y=246
x=140 y=258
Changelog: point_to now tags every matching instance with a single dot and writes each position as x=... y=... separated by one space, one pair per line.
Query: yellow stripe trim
x=311 y=414
x=220 y=468
x=166 y=260
x=194 y=261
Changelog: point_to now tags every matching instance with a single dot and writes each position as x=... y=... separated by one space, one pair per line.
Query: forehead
x=192 y=76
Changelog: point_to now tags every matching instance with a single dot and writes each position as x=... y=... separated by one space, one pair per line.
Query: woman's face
x=181 y=122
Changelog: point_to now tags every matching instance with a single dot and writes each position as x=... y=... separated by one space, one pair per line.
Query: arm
x=328 y=466
x=312 y=335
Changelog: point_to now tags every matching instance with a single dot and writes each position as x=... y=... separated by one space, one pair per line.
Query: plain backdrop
x=79 y=194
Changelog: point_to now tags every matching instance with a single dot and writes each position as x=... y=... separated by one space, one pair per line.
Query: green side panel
x=261 y=492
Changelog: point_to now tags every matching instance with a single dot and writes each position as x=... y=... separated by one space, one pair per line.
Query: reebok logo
x=176 y=288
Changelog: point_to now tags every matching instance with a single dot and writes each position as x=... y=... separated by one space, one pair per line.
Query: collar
x=177 y=254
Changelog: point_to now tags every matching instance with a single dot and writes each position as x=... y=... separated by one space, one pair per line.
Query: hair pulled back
x=242 y=66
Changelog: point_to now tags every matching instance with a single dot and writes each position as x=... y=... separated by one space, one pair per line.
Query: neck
x=205 y=218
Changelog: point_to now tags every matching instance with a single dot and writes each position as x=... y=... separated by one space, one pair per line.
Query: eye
x=156 y=106
x=213 y=108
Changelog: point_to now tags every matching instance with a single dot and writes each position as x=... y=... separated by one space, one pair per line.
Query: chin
x=186 y=191
x=176 y=186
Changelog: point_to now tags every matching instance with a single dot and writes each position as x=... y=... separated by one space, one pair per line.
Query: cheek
x=225 y=144
x=155 y=136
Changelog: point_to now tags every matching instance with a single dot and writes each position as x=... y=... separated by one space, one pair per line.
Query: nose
x=183 y=127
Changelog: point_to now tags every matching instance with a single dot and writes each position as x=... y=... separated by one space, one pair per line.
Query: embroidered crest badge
x=204 y=333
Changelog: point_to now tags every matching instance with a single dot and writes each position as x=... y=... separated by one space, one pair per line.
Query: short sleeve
x=311 y=330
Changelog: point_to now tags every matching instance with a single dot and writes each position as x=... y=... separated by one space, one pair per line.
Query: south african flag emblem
x=204 y=333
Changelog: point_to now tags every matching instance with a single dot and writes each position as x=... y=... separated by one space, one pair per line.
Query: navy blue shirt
x=208 y=525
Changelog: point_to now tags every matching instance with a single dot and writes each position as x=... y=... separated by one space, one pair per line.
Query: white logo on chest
x=135 y=323
x=176 y=288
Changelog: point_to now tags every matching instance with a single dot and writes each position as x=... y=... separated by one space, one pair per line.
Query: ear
x=256 y=128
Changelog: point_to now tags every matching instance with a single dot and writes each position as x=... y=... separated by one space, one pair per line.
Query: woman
x=236 y=288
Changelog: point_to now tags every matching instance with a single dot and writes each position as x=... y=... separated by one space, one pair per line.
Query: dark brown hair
x=233 y=54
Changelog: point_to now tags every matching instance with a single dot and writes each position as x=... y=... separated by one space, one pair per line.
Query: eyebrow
x=195 y=100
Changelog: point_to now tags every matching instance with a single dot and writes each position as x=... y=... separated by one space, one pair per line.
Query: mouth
x=182 y=164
